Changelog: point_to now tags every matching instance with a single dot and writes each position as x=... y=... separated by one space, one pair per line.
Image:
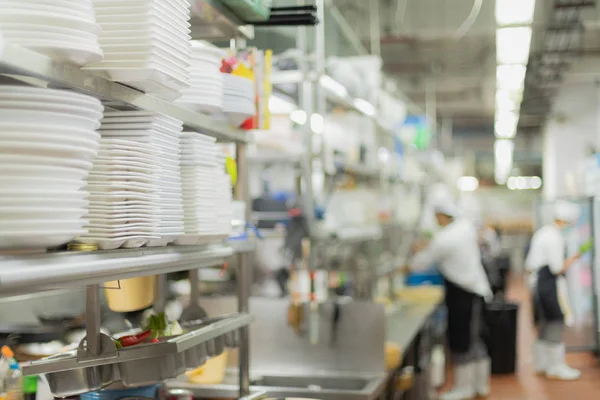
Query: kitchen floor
x=525 y=385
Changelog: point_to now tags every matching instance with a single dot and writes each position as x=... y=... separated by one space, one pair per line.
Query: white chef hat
x=566 y=211
x=445 y=207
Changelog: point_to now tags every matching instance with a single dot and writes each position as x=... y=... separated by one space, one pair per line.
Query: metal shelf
x=243 y=246
x=212 y=20
x=79 y=371
x=15 y=60
x=26 y=273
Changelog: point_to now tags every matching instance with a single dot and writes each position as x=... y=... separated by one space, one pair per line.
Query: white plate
x=48 y=118
x=170 y=124
x=143 y=34
x=36 y=238
x=84 y=6
x=155 y=24
x=47 y=149
x=41 y=224
x=41 y=171
x=48 y=19
x=43 y=160
x=142 y=60
x=36 y=212
x=8 y=92
x=156 y=9
x=83 y=138
x=58 y=8
x=45 y=183
x=57 y=203
x=78 y=53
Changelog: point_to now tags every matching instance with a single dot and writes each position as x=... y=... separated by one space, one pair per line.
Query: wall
x=570 y=133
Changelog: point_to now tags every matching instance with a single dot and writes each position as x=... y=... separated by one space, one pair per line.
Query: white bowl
x=36 y=238
x=48 y=19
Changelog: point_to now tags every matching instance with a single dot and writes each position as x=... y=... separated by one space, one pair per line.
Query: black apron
x=545 y=298
x=460 y=305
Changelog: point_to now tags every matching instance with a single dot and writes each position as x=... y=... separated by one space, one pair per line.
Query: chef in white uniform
x=547 y=264
x=455 y=249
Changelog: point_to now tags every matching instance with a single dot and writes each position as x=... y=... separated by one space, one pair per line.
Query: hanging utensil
x=194 y=311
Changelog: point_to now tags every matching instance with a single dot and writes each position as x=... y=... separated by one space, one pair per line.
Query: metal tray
x=78 y=372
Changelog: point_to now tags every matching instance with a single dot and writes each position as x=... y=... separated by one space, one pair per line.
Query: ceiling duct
x=560 y=42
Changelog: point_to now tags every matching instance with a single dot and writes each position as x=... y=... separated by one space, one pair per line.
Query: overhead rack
x=15 y=60
x=212 y=20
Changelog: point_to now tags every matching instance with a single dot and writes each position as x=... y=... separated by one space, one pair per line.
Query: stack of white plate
x=200 y=182
x=238 y=99
x=146 y=43
x=47 y=144
x=65 y=30
x=224 y=202
x=206 y=91
x=145 y=151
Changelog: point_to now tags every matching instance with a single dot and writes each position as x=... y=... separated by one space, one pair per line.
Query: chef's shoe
x=540 y=356
x=464 y=378
x=482 y=377
x=557 y=368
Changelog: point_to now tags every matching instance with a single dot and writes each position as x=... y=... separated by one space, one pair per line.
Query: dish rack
x=79 y=371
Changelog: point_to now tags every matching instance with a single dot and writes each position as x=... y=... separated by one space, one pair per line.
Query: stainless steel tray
x=77 y=372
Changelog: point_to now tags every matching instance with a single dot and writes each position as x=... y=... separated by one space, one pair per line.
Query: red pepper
x=155 y=340
x=132 y=340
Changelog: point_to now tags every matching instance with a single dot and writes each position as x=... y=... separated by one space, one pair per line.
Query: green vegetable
x=158 y=324
x=587 y=246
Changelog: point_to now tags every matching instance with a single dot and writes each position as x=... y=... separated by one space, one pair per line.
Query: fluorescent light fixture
x=505 y=125
x=514 y=12
x=365 y=107
x=503 y=159
x=467 y=183
x=333 y=86
x=524 y=182
x=317 y=123
x=512 y=45
x=298 y=116
x=508 y=101
x=278 y=105
x=510 y=77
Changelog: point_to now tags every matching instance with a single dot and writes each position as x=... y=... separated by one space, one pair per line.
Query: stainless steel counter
x=403 y=323
x=406 y=320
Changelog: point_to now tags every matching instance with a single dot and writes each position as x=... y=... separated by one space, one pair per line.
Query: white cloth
x=456 y=251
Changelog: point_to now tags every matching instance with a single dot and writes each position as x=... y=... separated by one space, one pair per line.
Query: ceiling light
x=298 y=116
x=317 y=123
x=333 y=86
x=512 y=45
x=505 y=125
x=514 y=12
x=278 y=105
x=508 y=101
x=365 y=107
x=467 y=183
x=510 y=77
x=503 y=159
x=524 y=182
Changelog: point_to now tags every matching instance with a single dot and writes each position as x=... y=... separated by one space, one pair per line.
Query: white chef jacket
x=547 y=249
x=456 y=251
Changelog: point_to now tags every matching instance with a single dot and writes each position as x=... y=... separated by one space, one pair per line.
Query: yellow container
x=393 y=356
x=211 y=373
x=134 y=294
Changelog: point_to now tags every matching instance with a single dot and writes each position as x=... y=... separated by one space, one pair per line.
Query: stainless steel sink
x=320 y=387
x=313 y=383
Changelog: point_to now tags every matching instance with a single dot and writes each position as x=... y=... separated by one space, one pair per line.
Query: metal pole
x=160 y=296
x=244 y=273
x=375 y=29
x=92 y=319
x=431 y=111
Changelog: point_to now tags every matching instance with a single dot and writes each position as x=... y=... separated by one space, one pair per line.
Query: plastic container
x=501 y=320
x=143 y=392
x=134 y=294
x=14 y=382
x=5 y=360
x=211 y=373
x=424 y=278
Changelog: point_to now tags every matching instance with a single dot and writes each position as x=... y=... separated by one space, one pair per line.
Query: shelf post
x=244 y=273
x=92 y=319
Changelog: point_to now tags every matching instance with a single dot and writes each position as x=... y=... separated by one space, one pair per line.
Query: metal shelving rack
x=57 y=270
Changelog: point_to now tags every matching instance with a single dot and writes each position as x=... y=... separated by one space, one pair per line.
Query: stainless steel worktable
x=405 y=321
